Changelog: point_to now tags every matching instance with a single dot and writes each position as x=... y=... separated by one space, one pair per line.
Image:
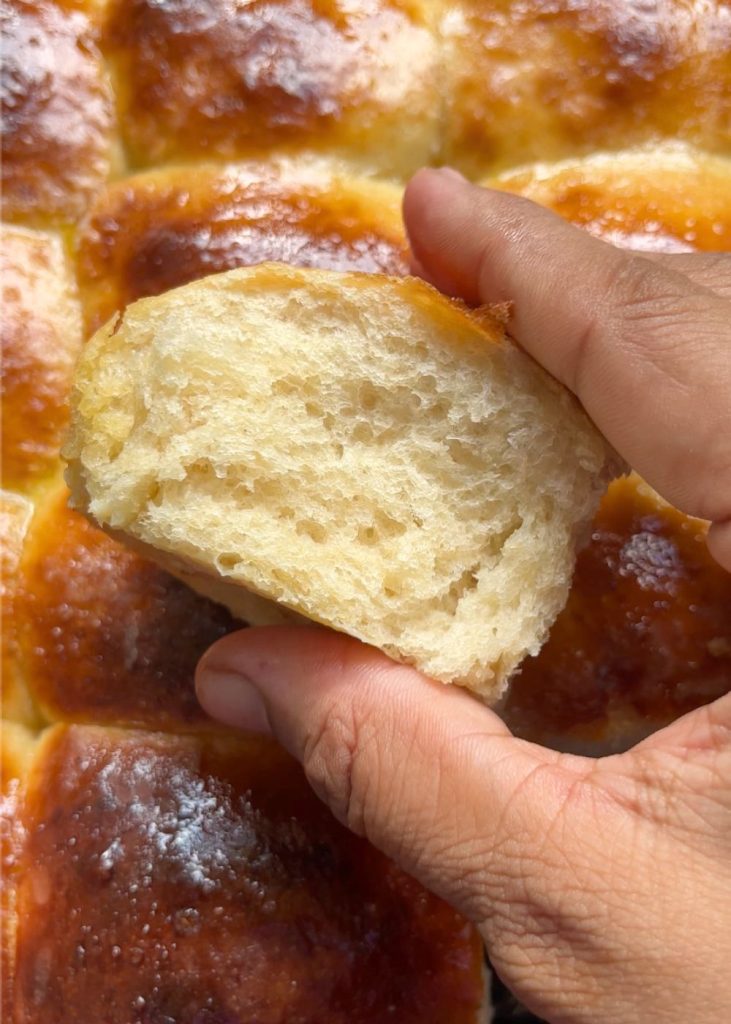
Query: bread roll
x=645 y=634
x=669 y=198
x=356 y=447
x=529 y=80
x=356 y=79
x=58 y=139
x=103 y=635
x=220 y=890
x=159 y=230
x=40 y=337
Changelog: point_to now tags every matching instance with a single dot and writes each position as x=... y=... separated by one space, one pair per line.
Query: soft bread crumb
x=357 y=448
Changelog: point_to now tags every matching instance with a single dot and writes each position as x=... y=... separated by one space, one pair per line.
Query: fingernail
x=232 y=699
x=454 y=175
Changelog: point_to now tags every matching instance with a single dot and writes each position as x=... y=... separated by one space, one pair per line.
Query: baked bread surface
x=357 y=79
x=358 y=448
x=161 y=229
x=94 y=92
x=58 y=128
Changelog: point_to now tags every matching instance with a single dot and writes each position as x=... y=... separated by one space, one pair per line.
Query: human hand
x=602 y=887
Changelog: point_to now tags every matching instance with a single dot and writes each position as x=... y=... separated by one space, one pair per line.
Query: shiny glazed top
x=224 y=891
x=198 y=78
x=163 y=229
x=58 y=121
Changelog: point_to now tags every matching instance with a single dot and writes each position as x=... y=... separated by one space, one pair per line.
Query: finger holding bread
x=636 y=339
x=358 y=449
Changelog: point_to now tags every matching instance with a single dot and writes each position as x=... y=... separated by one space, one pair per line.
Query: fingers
x=429 y=775
x=647 y=350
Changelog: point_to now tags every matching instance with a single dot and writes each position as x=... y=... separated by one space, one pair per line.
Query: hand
x=602 y=887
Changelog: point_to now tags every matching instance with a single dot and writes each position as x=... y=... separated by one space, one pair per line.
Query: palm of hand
x=628 y=875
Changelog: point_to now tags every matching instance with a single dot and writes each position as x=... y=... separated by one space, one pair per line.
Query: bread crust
x=159 y=230
x=358 y=80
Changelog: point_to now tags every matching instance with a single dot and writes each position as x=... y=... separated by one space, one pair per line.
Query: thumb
x=429 y=775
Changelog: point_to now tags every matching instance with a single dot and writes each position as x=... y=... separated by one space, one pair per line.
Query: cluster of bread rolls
x=154 y=868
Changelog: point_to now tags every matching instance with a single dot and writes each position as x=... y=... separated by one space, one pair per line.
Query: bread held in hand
x=357 y=449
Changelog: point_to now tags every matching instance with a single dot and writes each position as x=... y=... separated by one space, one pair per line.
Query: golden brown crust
x=223 y=890
x=203 y=78
x=644 y=638
x=542 y=80
x=58 y=145
x=160 y=230
x=41 y=336
x=107 y=637
x=15 y=517
x=104 y=635
x=16 y=750
x=670 y=199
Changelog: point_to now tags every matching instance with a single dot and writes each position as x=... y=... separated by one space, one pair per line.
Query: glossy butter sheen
x=224 y=891
x=104 y=635
x=197 y=78
x=163 y=229
x=57 y=108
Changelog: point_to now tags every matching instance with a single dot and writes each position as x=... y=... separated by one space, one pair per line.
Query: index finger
x=647 y=351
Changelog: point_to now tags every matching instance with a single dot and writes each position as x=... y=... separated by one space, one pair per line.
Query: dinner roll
x=125 y=636
x=40 y=336
x=358 y=448
x=669 y=198
x=159 y=230
x=644 y=635
x=356 y=79
x=227 y=889
x=529 y=80
x=58 y=128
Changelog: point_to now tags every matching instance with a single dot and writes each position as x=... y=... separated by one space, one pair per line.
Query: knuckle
x=333 y=759
x=641 y=307
x=635 y=283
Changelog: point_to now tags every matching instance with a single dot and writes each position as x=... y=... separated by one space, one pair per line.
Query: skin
x=602 y=887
